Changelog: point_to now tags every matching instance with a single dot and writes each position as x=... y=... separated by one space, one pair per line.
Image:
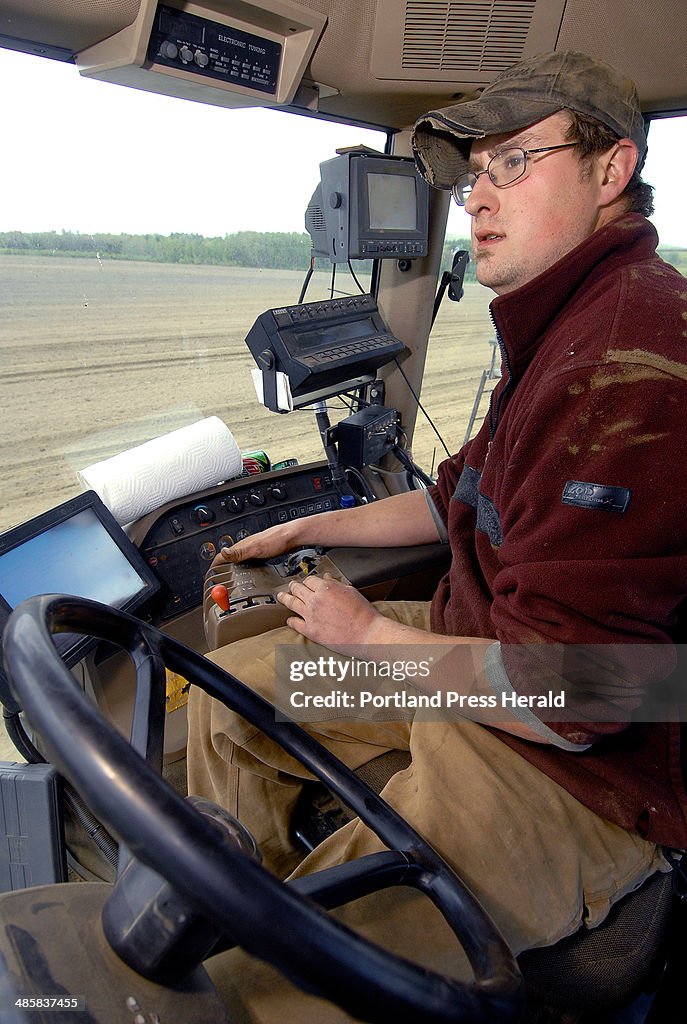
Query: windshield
x=141 y=236
x=138 y=243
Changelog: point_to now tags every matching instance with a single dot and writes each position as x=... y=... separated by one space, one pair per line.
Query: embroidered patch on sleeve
x=601 y=496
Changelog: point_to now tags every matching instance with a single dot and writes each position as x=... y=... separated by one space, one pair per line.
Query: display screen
x=75 y=557
x=391 y=202
x=76 y=549
x=330 y=336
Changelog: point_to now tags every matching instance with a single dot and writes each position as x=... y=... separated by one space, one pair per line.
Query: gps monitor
x=79 y=549
x=369 y=206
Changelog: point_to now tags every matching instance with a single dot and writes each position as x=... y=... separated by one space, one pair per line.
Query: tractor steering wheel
x=268 y=918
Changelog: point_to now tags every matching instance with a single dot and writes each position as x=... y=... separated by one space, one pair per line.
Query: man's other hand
x=329 y=612
x=266 y=544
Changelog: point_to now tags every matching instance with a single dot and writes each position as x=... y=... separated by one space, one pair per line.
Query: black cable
x=93 y=828
x=331 y=287
x=306 y=282
x=445 y=282
x=345 y=397
x=411 y=466
x=345 y=403
x=421 y=407
x=357 y=397
x=350 y=267
x=363 y=488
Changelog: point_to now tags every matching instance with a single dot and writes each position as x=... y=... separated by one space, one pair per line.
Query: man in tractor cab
x=566 y=529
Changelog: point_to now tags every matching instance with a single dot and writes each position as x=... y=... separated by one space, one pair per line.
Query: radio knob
x=207 y=551
x=186 y=54
x=201 y=59
x=234 y=503
x=278 y=492
x=256 y=498
x=203 y=514
x=169 y=50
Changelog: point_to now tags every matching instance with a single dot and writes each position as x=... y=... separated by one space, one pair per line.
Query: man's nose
x=484 y=194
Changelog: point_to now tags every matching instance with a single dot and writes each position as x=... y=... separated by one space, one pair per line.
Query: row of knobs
x=171 y=51
x=234 y=503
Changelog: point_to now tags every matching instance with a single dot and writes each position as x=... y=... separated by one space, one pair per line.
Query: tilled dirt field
x=96 y=357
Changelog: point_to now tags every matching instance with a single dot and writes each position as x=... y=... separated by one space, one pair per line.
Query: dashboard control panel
x=184 y=537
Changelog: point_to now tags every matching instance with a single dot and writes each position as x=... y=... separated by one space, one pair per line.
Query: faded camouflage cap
x=528 y=92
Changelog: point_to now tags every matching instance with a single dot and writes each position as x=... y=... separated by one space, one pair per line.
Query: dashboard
x=179 y=541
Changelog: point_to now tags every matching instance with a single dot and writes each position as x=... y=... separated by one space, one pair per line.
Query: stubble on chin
x=489 y=274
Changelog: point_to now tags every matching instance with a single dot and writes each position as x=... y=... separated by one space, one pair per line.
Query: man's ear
x=616 y=166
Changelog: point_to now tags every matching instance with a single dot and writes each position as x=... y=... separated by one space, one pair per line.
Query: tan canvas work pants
x=538 y=860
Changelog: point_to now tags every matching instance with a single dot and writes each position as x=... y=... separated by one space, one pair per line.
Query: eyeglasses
x=503 y=169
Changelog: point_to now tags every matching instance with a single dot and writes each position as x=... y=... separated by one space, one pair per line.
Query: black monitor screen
x=77 y=548
x=369 y=206
x=75 y=557
x=391 y=202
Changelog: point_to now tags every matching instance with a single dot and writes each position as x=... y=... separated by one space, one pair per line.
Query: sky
x=87 y=156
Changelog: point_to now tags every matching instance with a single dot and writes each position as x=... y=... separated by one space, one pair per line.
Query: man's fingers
x=291 y=600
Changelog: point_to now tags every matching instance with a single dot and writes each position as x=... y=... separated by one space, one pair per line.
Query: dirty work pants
x=539 y=861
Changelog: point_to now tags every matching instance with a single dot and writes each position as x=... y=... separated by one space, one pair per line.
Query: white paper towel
x=168 y=467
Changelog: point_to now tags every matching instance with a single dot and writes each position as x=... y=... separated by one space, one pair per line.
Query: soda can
x=255 y=462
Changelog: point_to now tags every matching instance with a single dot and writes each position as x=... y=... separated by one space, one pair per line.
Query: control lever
x=220 y=595
x=305 y=560
x=240 y=599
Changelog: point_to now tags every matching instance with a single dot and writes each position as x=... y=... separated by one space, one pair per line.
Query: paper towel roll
x=168 y=467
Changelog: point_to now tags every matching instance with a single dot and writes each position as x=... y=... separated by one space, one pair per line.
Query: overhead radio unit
x=232 y=53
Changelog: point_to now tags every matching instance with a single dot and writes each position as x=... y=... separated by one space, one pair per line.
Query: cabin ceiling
x=387 y=61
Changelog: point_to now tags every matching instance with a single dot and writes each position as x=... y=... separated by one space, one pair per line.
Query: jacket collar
x=522 y=316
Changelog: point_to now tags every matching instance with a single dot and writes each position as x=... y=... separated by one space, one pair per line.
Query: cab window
x=140 y=237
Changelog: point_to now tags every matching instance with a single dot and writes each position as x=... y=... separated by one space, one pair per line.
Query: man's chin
x=485 y=271
x=490 y=275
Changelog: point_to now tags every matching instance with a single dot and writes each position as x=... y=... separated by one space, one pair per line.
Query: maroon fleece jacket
x=566 y=514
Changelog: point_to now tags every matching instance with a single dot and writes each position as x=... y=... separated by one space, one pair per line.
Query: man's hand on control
x=329 y=612
x=266 y=544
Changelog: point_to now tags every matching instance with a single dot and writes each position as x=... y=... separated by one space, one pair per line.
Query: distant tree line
x=277 y=250
x=262 y=249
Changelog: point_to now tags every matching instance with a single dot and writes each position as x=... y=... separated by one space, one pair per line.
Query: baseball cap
x=523 y=94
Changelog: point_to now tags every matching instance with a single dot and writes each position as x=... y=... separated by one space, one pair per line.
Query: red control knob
x=220 y=595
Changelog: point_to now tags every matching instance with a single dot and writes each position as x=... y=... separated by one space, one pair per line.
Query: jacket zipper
x=495 y=407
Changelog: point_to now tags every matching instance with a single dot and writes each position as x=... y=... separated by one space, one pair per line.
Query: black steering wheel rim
x=267 y=917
